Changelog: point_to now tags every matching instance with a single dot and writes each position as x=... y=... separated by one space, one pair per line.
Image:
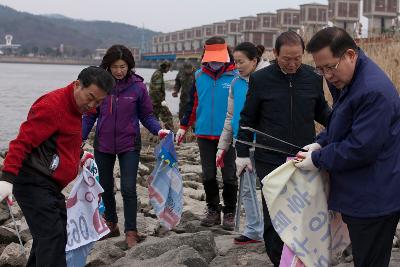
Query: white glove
x=164 y=103
x=163 y=133
x=312 y=147
x=242 y=164
x=5 y=190
x=179 y=136
x=304 y=161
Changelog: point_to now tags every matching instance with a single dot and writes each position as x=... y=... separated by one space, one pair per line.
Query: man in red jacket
x=45 y=157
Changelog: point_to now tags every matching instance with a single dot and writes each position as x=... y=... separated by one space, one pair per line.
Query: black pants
x=273 y=243
x=372 y=239
x=43 y=206
x=208 y=150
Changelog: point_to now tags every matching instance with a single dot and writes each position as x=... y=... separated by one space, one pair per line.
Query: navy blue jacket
x=361 y=145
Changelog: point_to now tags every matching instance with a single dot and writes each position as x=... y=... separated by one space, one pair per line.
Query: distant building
x=233 y=34
x=381 y=15
x=9 y=47
x=263 y=29
x=288 y=19
x=313 y=17
x=345 y=14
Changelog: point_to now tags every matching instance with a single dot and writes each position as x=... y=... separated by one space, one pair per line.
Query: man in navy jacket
x=360 y=147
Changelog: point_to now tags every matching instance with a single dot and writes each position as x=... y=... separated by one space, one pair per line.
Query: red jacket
x=52 y=130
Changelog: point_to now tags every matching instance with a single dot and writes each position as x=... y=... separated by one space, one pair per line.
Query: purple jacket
x=118 y=117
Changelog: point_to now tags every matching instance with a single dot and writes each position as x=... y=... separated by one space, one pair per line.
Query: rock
x=181 y=256
x=4 y=213
x=11 y=256
x=28 y=247
x=395 y=242
x=194 y=185
x=146 y=158
x=202 y=242
x=233 y=255
x=104 y=253
x=195 y=194
x=7 y=235
x=23 y=229
x=143 y=169
x=191 y=176
x=191 y=169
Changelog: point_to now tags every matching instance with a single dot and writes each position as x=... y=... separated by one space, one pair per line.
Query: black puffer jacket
x=284 y=106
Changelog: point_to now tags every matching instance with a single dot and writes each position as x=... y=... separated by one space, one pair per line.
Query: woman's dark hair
x=217 y=40
x=116 y=52
x=337 y=39
x=250 y=50
x=288 y=38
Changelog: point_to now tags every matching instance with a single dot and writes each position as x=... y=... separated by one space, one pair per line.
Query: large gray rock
x=191 y=169
x=181 y=256
x=4 y=213
x=202 y=242
x=11 y=256
x=104 y=253
x=7 y=235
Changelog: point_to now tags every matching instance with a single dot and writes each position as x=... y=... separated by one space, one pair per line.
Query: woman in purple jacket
x=118 y=134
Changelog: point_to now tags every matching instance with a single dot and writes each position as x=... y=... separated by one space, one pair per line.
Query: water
x=22 y=84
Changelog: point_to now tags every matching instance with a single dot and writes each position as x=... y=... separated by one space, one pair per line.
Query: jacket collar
x=227 y=69
x=126 y=82
x=361 y=58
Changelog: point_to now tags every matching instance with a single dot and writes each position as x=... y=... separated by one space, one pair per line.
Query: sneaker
x=228 y=221
x=244 y=240
x=213 y=217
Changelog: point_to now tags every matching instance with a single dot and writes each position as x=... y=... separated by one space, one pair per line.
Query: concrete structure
x=313 y=17
x=381 y=15
x=288 y=19
x=263 y=29
x=345 y=14
x=9 y=47
x=233 y=35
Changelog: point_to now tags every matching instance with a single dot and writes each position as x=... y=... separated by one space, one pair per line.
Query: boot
x=228 y=222
x=213 y=217
x=114 y=230
x=132 y=238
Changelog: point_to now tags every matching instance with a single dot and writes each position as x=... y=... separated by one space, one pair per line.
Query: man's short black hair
x=288 y=38
x=337 y=39
x=97 y=76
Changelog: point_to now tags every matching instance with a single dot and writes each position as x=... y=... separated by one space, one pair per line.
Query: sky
x=156 y=15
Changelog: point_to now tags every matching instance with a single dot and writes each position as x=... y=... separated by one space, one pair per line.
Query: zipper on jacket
x=115 y=125
x=212 y=108
x=291 y=106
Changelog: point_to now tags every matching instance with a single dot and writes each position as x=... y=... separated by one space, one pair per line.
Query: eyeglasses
x=328 y=69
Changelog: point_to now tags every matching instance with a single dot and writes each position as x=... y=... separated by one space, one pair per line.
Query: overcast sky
x=157 y=15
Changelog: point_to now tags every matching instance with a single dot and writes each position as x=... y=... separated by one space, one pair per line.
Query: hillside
x=37 y=33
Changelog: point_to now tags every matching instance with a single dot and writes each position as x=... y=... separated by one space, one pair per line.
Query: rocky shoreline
x=190 y=244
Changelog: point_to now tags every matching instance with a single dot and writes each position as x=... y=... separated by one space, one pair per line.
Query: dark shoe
x=132 y=238
x=228 y=222
x=114 y=230
x=213 y=217
x=243 y=240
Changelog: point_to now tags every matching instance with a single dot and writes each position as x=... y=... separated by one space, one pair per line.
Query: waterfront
x=22 y=84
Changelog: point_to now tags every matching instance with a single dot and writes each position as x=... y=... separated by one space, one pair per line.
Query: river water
x=22 y=84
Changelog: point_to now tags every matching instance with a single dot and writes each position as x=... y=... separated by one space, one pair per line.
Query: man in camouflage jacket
x=157 y=95
x=184 y=80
